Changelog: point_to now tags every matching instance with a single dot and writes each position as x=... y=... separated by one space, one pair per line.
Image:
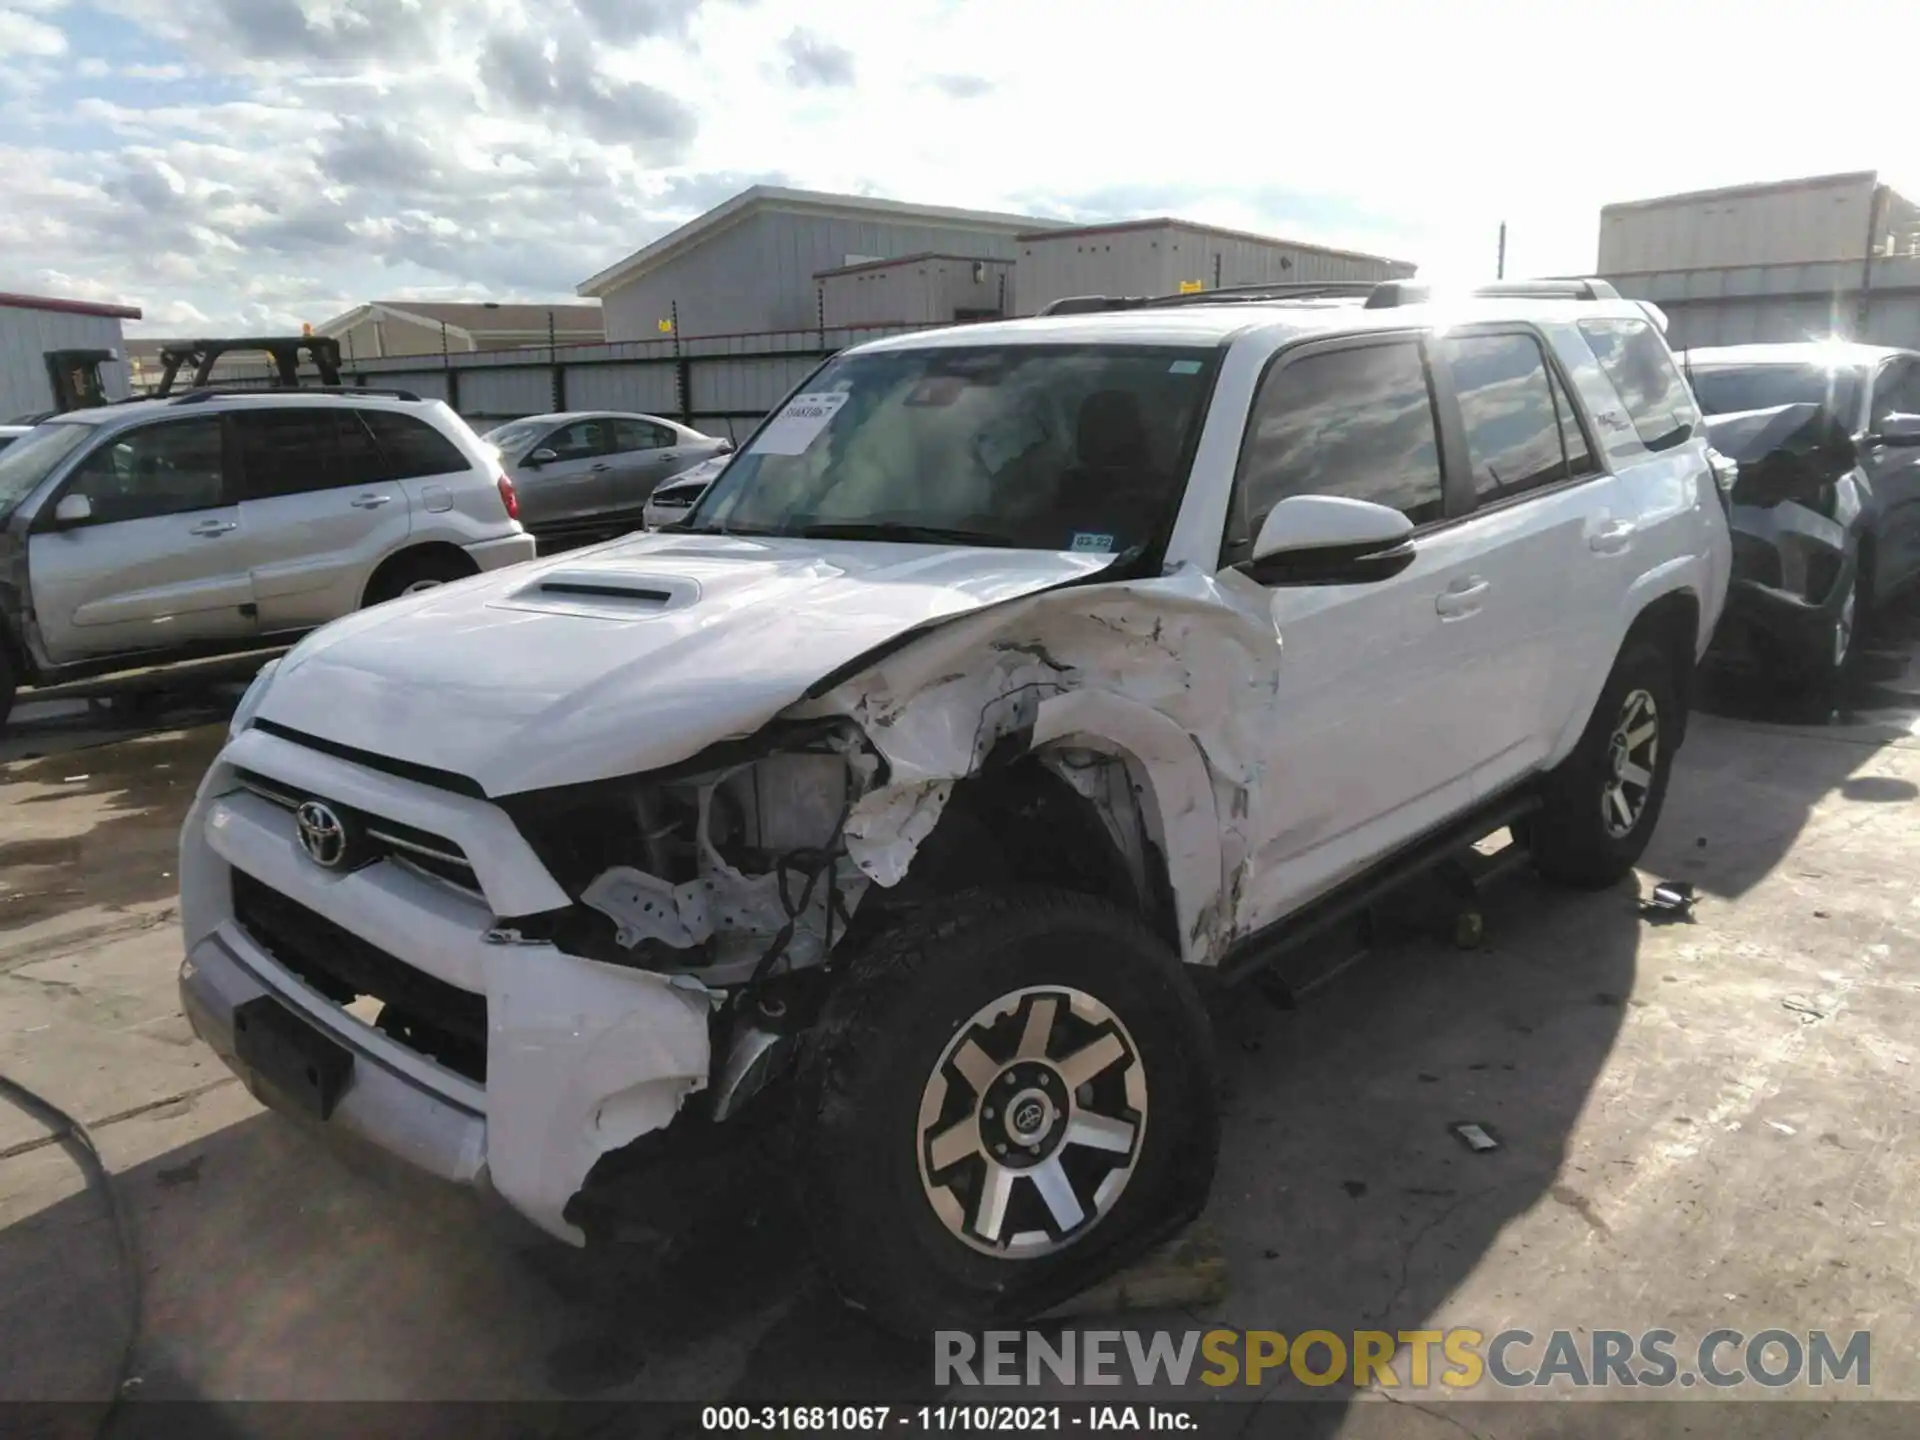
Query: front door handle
x=1611 y=539
x=370 y=502
x=1461 y=598
x=213 y=527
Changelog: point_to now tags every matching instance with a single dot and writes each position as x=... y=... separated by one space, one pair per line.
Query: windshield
x=515 y=436
x=1027 y=446
x=1728 y=389
x=31 y=458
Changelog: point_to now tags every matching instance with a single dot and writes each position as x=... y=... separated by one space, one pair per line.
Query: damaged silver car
x=1010 y=682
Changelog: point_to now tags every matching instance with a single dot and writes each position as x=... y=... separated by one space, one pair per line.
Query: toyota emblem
x=323 y=835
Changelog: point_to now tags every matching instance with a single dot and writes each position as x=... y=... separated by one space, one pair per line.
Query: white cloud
x=21 y=34
x=347 y=148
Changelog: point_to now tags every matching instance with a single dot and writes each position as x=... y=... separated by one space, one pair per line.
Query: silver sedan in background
x=586 y=475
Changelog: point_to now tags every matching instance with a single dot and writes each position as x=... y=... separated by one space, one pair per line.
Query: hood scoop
x=606 y=594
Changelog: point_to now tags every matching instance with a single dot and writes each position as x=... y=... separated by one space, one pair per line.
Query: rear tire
x=9 y=686
x=1604 y=799
x=408 y=574
x=963 y=1169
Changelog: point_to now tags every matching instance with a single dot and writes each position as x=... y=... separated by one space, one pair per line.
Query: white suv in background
x=150 y=531
x=1011 y=680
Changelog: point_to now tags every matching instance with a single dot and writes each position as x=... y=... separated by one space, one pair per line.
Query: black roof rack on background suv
x=224 y=392
x=1378 y=294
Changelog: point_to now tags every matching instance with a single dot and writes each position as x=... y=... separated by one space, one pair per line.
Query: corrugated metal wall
x=757 y=275
x=1158 y=260
x=1825 y=220
x=927 y=292
x=25 y=338
x=1781 y=303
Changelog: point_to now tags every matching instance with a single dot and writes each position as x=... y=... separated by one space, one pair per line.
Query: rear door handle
x=1461 y=598
x=211 y=528
x=1611 y=539
x=370 y=502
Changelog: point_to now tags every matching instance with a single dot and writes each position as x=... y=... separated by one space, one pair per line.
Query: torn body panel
x=1176 y=676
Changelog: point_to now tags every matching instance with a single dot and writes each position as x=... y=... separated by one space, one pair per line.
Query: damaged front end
x=730 y=871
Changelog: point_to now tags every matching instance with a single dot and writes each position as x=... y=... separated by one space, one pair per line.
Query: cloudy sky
x=252 y=164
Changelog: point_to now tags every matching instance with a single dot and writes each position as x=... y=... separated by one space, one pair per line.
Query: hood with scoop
x=630 y=656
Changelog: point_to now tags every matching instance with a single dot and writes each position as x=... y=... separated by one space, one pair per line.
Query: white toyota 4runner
x=1012 y=678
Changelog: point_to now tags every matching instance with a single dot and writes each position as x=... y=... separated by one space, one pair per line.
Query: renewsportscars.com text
x=1457 y=1359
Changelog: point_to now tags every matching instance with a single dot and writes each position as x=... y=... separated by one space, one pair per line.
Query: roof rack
x=276 y=392
x=1389 y=294
x=1226 y=294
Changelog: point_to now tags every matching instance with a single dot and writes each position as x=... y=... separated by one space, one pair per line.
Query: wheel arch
x=412 y=553
x=1107 y=798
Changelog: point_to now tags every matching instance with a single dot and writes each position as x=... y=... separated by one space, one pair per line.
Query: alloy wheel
x=1032 y=1121
x=1633 y=754
x=1843 y=626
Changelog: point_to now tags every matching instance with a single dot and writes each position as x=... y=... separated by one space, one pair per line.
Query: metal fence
x=722 y=384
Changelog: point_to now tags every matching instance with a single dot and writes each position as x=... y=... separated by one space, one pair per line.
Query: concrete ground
x=1701 y=1125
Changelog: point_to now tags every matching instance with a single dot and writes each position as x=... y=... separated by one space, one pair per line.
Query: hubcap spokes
x=1633 y=754
x=1031 y=1123
x=1843 y=628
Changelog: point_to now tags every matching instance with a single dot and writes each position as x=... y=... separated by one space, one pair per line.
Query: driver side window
x=1895 y=392
x=582 y=440
x=1355 y=422
x=165 y=469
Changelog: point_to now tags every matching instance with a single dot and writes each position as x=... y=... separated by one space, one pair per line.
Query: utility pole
x=1500 y=265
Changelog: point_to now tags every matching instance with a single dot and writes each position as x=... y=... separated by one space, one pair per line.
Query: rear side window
x=1355 y=422
x=1514 y=439
x=410 y=447
x=1646 y=379
x=640 y=435
x=296 y=452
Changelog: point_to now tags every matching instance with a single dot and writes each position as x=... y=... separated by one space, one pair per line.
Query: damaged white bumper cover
x=1165 y=683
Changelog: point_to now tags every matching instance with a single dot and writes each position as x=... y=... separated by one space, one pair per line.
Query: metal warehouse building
x=916 y=290
x=749 y=265
x=1789 y=260
x=31 y=325
x=1164 y=257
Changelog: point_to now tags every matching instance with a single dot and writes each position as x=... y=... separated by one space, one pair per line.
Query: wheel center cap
x=1029 y=1115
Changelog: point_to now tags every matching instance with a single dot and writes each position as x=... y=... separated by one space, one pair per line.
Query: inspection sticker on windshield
x=1086 y=540
x=796 y=427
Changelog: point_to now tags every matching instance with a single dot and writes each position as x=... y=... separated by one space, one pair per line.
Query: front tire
x=1007 y=1096
x=1603 y=801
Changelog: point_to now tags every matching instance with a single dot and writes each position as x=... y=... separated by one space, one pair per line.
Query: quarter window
x=1643 y=374
x=1355 y=422
x=410 y=447
x=165 y=469
x=1507 y=405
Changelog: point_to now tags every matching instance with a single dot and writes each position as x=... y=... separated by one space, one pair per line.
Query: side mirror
x=73 y=509
x=1328 y=540
x=1899 y=430
x=542 y=456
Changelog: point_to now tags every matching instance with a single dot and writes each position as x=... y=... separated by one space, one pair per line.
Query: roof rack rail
x=1389 y=294
x=1225 y=294
x=282 y=392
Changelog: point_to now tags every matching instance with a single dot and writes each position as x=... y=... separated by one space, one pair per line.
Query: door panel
x=577 y=483
x=1539 y=548
x=644 y=454
x=317 y=515
x=1352 y=772
x=161 y=562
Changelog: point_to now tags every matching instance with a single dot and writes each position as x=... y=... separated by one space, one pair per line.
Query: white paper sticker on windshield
x=796 y=427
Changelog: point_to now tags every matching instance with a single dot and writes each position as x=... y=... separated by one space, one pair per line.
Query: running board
x=1259 y=953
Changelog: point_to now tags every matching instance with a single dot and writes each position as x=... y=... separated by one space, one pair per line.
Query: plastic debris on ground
x=1476 y=1138
x=1671 y=901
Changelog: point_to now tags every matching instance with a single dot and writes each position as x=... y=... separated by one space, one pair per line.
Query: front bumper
x=581 y=1057
x=1792 y=569
x=507 y=550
